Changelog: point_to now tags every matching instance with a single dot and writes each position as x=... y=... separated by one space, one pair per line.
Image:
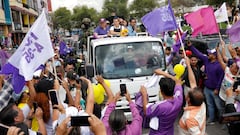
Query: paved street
x=215 y=129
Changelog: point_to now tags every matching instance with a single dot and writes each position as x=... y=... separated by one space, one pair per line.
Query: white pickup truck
x=127 y=60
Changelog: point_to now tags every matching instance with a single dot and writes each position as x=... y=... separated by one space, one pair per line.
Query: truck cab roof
x=115 y=40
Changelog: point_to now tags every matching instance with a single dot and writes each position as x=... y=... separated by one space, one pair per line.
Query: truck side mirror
x=89 y=71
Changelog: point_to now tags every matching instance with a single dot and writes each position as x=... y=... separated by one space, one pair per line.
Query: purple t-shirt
x=166 y=111
x=4 y=56
x=213 y=71
x=100 y=31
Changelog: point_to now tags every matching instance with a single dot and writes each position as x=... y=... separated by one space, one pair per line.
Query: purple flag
x=160 y=20
x=234 y=32
x=18 y=80
x=63 y=48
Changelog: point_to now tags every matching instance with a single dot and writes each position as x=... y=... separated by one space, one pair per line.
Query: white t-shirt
x=26 y=109
x=167 y=58
x=31 y=132
x=227 y=82
x=119 y=27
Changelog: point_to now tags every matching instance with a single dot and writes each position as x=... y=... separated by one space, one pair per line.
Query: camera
x=80 y=121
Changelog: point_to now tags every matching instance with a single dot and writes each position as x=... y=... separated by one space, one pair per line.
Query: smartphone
x=35 y=106
x=123 y=89
x=79 y=121
x=3 y=129
x=53 y=97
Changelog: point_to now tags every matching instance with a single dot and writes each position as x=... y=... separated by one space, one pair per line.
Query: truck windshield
x=127 y=60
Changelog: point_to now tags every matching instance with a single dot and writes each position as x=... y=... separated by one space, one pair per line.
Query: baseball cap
x=211 y=51
x=102 y=20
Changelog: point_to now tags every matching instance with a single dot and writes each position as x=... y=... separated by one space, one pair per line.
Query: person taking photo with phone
x=114 y=120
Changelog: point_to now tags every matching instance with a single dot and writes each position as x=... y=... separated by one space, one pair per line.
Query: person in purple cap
x=164 y=113
x=212 y=81
x=102 y=29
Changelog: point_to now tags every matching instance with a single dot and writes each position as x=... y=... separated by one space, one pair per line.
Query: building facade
x=24 y=13
x=17 y=16
x=5 y=20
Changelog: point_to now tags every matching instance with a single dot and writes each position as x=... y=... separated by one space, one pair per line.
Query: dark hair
x=68 y=63
x=44 y=85
x=130 y=20
x=196 y=97
x=193 y=56
x=117 y=120
x=230 y=62
x=115 y=17
x=167 y=86
x=23 y=127
x=97 y=110
x=168 y=48
x=8 y=114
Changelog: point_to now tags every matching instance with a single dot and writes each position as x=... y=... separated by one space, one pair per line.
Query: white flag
x=221 y=14
x=35 y=49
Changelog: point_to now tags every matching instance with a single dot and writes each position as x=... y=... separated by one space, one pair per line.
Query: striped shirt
x=193 y=121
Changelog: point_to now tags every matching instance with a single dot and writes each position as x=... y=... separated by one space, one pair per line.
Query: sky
x=70 y=4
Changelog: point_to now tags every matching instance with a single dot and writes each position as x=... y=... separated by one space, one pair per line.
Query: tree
x=117 y=6
x=186 y=3
x=61 y=18
x=80 y=12
x=219 y=2
x=139 y=8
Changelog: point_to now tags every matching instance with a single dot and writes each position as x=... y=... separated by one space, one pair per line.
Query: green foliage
x=83 y=12
x=219 y=2
x=141 y=7
x=186 y=3
x=117 y=6
x=61 y=18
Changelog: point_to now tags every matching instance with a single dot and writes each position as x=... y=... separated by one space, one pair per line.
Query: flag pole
x=54 y=68
x=182 y=45
x=57 y=76
x=220 y=36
